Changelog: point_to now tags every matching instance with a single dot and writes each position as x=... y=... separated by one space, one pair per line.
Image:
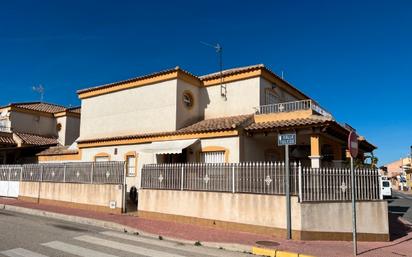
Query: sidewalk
x=401 y=246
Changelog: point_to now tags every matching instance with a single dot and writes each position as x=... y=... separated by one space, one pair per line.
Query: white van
x=386 y=189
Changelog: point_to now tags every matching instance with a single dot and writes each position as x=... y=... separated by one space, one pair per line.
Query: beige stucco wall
x=99 y=195
x=242 y=96
x=372 y=217
x=267 y=210
x=61 y=135
x=150 y=108
x=252 y=209
x=33 y=124
x=187 y=116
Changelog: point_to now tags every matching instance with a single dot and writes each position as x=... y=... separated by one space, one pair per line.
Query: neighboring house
x=173 y=116
x=400 y=173
x=28 y=128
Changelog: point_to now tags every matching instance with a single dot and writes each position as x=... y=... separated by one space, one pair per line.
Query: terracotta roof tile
x=134 y=79
x=217 y=124
x=75 y=109
x=288 y=123
x=58 y=150
x=41 y=107
x=209 y=125
x=31 y=139
x=7 y=139
x=231 y=71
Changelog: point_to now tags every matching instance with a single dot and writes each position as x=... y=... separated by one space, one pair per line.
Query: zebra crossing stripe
x=164 y=244
x=20 y=252
x=76 y=250
x=125 y=247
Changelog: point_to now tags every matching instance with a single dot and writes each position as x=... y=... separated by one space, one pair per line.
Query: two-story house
x=174 y=116
x=29 y=128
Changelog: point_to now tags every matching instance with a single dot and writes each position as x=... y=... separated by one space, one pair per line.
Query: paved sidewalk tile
x=400 y=246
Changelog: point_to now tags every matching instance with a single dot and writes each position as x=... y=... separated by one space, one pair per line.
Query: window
x=271 y=97
x=188 y=99
x=212 y=157
x=102 y=157
x=131 y=165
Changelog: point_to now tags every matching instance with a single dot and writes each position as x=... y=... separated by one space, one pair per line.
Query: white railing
x=325 y=184
x=291 y=107
x=80 y=172
x=5 y=129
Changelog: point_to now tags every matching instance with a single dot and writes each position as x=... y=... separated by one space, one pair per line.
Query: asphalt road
x=401 y=204
x=25 y=235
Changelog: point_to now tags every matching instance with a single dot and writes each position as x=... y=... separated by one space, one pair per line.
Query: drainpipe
x=124 y=198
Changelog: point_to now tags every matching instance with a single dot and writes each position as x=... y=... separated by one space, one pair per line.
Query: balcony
x=293 y=107
x=5 y=129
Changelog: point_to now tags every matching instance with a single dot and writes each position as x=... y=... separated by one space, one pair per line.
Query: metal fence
x=76 y=172
x=259 y=178
x=335 y=184
x=326 y=184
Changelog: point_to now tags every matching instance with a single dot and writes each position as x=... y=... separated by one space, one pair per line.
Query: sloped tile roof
x=315 y=119
x=218 y=124
x=231 y=71
x=75 y=110
x=159 y=73
x=40 y=107
x=58 y=150
x=209 y=125
x=31 y=139
x=7 y=139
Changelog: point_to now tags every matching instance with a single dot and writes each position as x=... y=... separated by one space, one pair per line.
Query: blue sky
x=353 y=57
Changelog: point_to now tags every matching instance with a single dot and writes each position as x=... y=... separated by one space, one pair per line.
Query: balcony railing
x=291 y=107
x=5 y=129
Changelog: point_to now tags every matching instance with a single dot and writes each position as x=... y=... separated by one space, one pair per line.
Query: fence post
x=91 y=174
x=182 y=178
x=233 y=178
x=300 y=182
x=64 y=172
x=8 y=182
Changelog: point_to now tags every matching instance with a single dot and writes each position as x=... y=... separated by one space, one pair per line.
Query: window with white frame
x=101 y=159
x=212 y=157
x=131 y=165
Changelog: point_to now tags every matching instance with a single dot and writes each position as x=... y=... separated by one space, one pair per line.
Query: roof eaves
x=159 y=73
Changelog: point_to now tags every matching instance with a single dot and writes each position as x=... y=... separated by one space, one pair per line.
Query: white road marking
x=163 y=243
x=125 y=247
x=76 y=250
x=20 y=252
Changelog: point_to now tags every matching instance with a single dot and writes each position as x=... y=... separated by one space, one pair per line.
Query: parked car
x=386 y=189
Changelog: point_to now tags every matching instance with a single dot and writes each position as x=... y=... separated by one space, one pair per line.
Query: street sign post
x=286 y=140
x=353 y=150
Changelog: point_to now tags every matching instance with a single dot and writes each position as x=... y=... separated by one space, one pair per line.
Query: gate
x=9 y=180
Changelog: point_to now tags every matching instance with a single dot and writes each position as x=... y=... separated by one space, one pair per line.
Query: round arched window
x=188 y=100
x=59 y=126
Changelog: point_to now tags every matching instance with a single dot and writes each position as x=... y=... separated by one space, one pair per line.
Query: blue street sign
x=287 y=139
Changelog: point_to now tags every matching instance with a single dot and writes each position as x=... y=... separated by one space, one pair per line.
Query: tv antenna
x=219 y=51
x=40 y=90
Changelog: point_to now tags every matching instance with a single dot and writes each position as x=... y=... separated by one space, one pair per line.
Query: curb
x=276 y=253
x=119 y=227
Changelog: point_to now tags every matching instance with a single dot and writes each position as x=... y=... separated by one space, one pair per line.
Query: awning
x=168 y=147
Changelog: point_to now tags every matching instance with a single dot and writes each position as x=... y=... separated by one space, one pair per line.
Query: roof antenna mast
x=40 y=90
x=219 y=51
